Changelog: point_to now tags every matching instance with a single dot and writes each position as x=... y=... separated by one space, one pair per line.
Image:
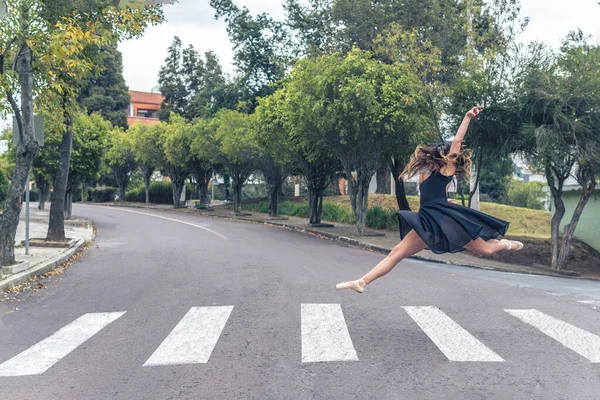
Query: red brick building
x=144 y=107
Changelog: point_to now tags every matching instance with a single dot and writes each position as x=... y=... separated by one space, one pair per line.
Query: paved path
x=176 y=306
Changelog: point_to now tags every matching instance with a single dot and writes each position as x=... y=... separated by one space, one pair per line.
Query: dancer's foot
x=513 y=244
x=358 y=286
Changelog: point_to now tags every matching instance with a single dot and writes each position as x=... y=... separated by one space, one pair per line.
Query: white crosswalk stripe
x=193 y=339
x=582 y=342
x=325 y=336
x=455 y=342
x=43 y=355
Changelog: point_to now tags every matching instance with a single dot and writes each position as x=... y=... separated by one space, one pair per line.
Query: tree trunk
x=397 y=167
x=26 y=151
x=237 y=197
x=315 y=205
x=565 y=248
x=362 y=206
x=69 y=202
x=359 y=197
x=274 y=200
x=474 y=185
x=122 y=178
x=56 y=226
x=335 y=183
x=383 y=179
x=43 y=189
x=178 y=187
x=147 y=176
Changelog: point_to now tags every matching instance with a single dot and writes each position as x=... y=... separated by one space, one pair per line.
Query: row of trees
x=48 y=49
x=337 y=103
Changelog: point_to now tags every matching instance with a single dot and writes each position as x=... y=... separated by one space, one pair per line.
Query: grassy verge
x=383 y=210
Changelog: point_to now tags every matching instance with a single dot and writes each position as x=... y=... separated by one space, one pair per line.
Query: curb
x=45 y=266
x=346 y=241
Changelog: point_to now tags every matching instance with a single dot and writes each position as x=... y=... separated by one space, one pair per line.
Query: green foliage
x=236 y=147
x=3 y=188
x=193 y=86
x=526 y=195
x=102 y=195
x=495 y=178
x=105 y=92
x=382 y=218
x=90 y=133
x=147 y=146
x=261 y=45
x=160 y=193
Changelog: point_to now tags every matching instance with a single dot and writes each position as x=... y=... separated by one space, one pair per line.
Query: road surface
x=174 y=306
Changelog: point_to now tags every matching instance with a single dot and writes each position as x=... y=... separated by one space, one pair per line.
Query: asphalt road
x=201 y=308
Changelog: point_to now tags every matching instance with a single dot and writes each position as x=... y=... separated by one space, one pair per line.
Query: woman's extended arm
x=462 y=130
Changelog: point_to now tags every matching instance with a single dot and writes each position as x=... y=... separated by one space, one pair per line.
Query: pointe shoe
x=357 y=286
x=510 y=243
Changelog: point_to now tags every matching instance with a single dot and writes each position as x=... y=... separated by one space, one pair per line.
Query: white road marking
x=170 y=219
x=455 y=342
x=582 y=342
x=194 y=338
x=325 y=336
x=43 y=355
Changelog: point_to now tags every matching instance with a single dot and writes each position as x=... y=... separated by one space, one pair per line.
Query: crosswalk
x=324 y=337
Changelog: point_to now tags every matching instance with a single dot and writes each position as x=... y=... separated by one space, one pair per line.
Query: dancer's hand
x=452 y=201
x=473 y=112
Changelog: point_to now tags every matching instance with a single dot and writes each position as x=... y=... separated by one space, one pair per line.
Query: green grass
x=383 y=210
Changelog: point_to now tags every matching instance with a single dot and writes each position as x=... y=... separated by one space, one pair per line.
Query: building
x=144 y=107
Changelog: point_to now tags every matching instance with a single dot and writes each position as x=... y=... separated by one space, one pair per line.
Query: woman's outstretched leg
x=410 y=245
x=492 y=246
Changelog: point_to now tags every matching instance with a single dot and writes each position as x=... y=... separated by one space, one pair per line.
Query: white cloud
x=551 y=20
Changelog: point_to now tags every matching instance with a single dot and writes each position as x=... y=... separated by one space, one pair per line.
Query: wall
x=588 y=228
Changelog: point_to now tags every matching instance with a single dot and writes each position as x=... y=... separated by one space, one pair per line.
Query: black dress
x=447 y=227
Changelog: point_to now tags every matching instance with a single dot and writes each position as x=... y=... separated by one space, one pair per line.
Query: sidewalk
x=43 y=259
x=346 y=234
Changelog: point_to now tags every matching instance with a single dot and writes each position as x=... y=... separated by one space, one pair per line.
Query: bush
x=3 y=188
x=160 y=193
x=382 y=218
x=527 y=195
x=102 y=195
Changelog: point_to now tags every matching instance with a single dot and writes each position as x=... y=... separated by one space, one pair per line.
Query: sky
x=193 y=21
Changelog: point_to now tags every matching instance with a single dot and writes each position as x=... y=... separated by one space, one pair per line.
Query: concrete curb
x=45 y=266
x=346 y=241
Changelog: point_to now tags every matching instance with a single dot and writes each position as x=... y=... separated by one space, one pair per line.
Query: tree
x=194 y=87
x=236 y=150
x=105 y=92
x=29 y=54
x=312 y=23
x=147 y=150
x=202 y=154
x=562 y=100
x=275 y=148
x=120 y=158
x=171 y=82
x=90 y=133
x=308 y=150
x=80 y=41
x=357 y=104
x=176 y=153
x=261 y=47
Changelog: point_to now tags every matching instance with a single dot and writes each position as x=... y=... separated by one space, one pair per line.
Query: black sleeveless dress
x=447 y=227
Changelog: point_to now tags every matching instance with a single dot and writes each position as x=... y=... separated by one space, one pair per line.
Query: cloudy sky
x=193 y=21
